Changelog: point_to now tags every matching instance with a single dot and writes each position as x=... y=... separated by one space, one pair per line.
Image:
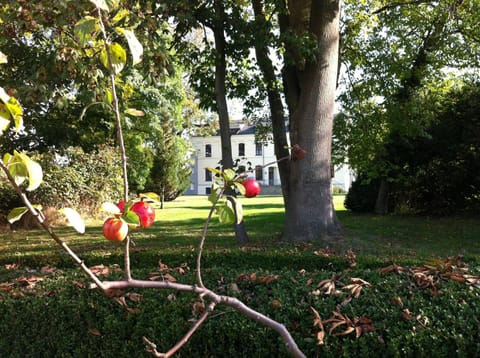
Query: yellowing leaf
x=118 y=56
x=120 y=15
x=134 y=112
x=74 y=219
x=229 y=174
x=150 y=196
x=3 y=58
x=34 y=170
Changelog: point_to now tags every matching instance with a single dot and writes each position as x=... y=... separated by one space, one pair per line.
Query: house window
x=241 y=149
x=259 y=172
x=208 y=190
x=208 y=175
x=258 y=149
x=208 y=150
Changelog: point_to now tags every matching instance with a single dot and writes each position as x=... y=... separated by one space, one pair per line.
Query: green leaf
x=3 y=58
x=213 y=197
x=131 y=218
x=74 y=219
x=229 y=175
x=16 y=168
x=109 y=97
x=34 y=170
x=16 y=112
x=16 y=214
x=10 y=109
x=226 y=214
x=135 y=46
x=101 y=4
x=118 y=57
x=134 y=112
x=240 y=187
x=236 y=207
x=238 y=210
x=85 y=29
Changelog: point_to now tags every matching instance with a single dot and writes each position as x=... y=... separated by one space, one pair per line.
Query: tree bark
x=222 y=107
x=310 y=213
x=277 y=111
x=381 y=203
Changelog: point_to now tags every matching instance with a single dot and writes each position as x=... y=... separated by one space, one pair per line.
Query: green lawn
x=179 y=225
x=436 y=316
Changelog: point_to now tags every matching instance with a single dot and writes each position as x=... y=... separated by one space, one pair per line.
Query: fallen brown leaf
x=94 y=332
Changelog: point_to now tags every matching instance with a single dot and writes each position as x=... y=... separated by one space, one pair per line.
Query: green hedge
x=57 y=318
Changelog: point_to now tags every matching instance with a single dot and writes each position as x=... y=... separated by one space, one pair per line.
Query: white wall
x=343 y=175
x=202 y=162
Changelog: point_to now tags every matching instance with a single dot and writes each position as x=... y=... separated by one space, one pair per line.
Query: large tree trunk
x=277 y=112
x=222 y=107
x=310 y=214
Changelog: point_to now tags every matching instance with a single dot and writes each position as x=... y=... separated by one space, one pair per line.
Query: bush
x=362 y=195
x=442 y=325
x=82 y=180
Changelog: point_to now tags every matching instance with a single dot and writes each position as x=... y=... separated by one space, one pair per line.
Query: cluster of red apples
x=116 y=229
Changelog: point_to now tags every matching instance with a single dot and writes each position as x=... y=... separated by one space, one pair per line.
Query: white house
x=207 y=153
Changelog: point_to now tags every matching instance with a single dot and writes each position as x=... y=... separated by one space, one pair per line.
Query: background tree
x=309 y=42
x=66 y=101
x=396 y=58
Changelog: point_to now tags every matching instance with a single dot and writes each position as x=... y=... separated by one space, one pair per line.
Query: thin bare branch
x=398 y=4
x=152 y=347
x=236 y=304
x=202 y=241
x=121 y=144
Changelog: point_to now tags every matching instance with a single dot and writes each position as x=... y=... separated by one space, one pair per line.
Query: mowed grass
x=179 y=226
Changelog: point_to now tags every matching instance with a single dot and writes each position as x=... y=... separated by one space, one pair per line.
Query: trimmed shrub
x=362 y=195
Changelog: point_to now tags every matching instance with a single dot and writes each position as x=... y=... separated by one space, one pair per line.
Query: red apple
x=121 y=205
x=115 y=229
x=252 y=188
x=298 y=153
x=145 y=213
